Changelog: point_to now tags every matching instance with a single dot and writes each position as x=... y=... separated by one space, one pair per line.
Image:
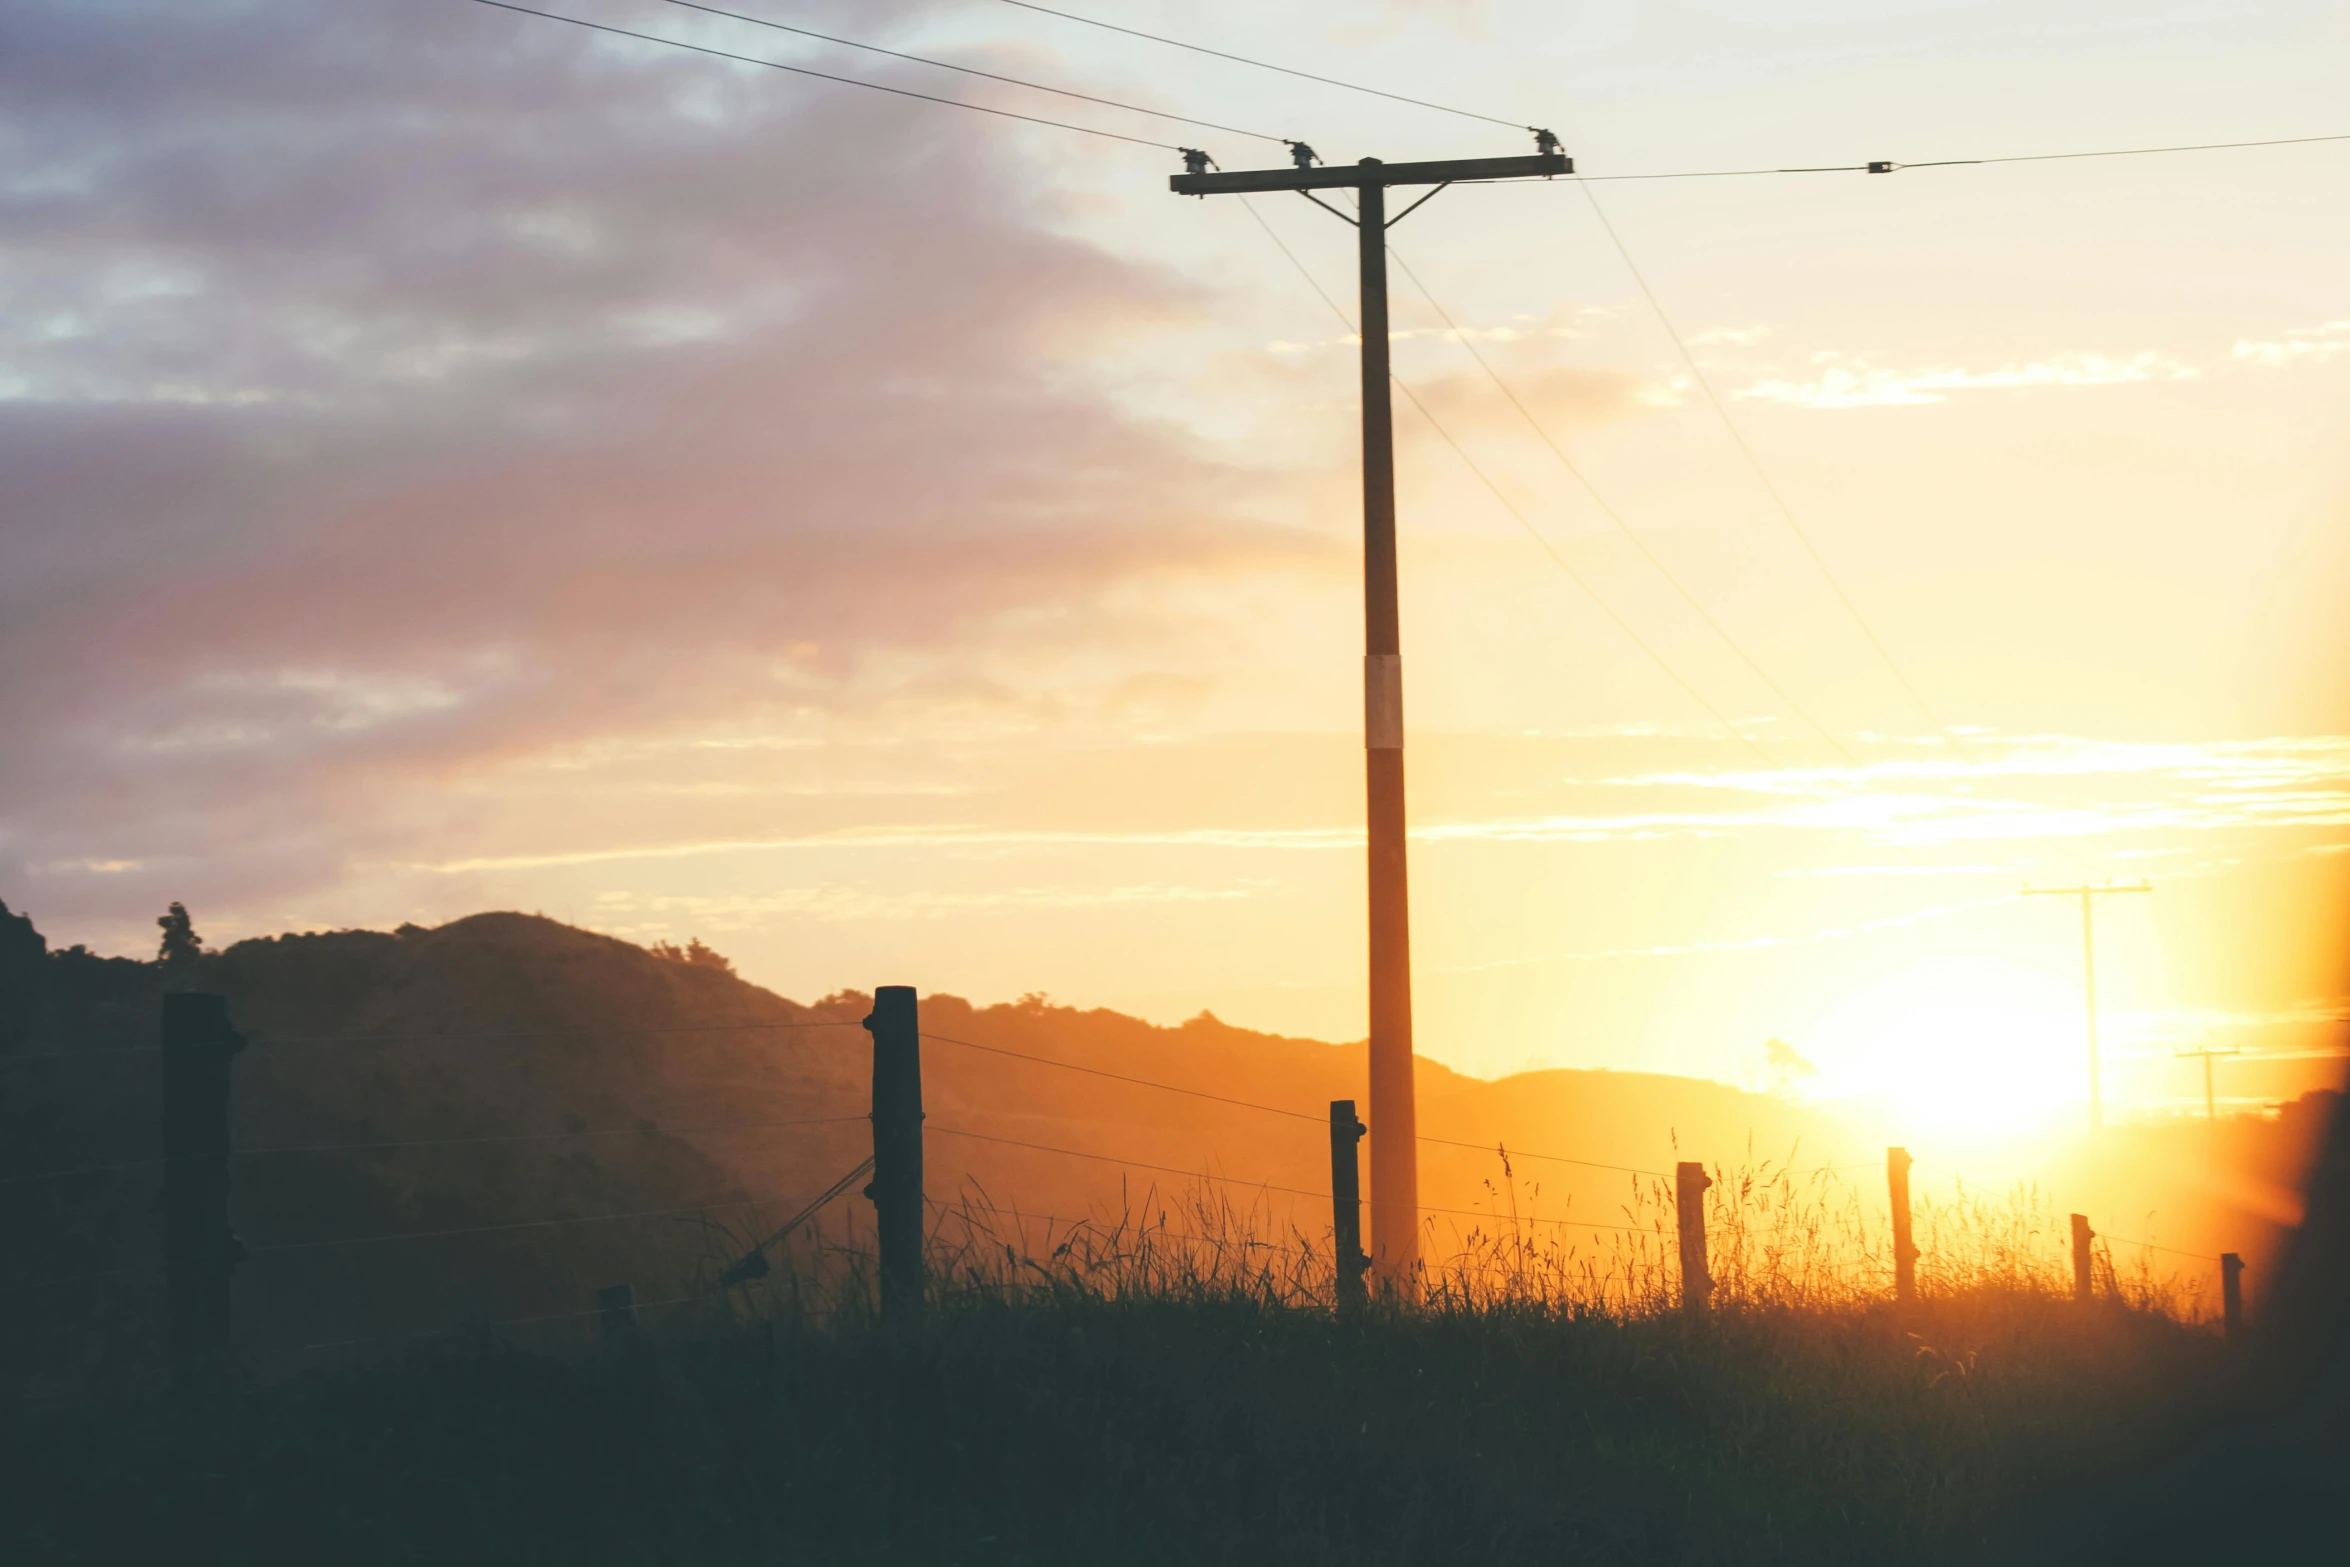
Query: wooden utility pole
x=1905 y=1252
x=2088 y=896
x=2210 y=1102
x=200 y=1250
x=1395 y=1181
x=2231 y=1295
x=1697 y=1280
x=1346 y=1205
x=2084 y=1276
x=897 y=1154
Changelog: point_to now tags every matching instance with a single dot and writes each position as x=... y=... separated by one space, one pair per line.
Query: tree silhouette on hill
x=181 y=944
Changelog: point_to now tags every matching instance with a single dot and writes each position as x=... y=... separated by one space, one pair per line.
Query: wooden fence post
x=2083 y=1277
x=1346 y=1204
x=1697 y=1281
x=616 y=1310
x=1905 y=1252
x=2231 y=1295
x=897 y=1153
x=200 y=1250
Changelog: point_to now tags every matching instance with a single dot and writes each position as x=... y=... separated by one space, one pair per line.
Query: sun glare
x=1962 y=1050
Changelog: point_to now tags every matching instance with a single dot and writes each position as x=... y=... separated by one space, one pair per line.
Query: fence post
x=897 y=1153
x=1346 y=1204
x=1697 y=1281
x=616 y=1310
x=1905 y=1252
x=2083 y=1277
x=200 y=1251
x=2231 y=1295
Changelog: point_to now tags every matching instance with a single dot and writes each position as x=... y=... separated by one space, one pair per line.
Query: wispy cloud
x=2313 y=345
x=1861 y=385
x=841 y=904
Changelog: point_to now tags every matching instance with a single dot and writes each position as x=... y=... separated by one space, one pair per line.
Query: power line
x=1511 y=507
x=1889 y=166
x=1786 y=512
x=827 y=76
x=1264 y=65
x=944 y=65
x=1142 y=1082
x=1616 y=517
x=1872 y=166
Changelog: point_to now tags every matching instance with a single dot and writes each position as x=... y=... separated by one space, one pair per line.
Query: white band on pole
x=1382 y=701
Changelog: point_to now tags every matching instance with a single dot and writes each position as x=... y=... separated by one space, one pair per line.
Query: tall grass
x=1778 y=1239
x=1168 y=1384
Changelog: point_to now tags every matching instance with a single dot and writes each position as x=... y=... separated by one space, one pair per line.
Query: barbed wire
x=654 y=1130
x=1134 y=1164
x=1519 y=1153
x=1121 y=1077
x=492 y=1229
x=506 y=1322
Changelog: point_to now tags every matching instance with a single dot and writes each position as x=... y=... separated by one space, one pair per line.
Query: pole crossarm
x=1344 y=176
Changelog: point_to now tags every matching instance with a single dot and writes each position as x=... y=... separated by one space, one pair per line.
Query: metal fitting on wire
x=1302 y=155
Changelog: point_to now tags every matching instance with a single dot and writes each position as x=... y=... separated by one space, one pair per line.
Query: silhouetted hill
x=507 y=1068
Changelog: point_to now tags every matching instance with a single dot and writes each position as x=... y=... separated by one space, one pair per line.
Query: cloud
x=1860 y=385
x=1563 y=399
x=2315 y=345
x=389 y=399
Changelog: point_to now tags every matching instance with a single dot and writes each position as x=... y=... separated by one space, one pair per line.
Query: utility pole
x=1395 y=1178
x=2210 y=1104
x=2088 y=896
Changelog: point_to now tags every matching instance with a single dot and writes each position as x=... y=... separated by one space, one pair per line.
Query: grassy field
x=1154 y=1398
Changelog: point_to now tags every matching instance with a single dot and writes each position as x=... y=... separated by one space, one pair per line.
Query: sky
x=457 y=461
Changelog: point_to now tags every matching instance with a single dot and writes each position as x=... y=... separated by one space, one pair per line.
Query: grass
x=1175 y=1390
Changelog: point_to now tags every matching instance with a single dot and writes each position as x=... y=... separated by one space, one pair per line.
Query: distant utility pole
x=1395 y=1176
x=2210 y=1104
x=2089 y=896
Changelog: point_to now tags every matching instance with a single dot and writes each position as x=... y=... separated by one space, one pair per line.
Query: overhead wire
x=1266 y=65
x=827 y=76
x=1616 y=517
x=1892 y=166
x=1511 y=507
x=967 y=70
x=1786 y=512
